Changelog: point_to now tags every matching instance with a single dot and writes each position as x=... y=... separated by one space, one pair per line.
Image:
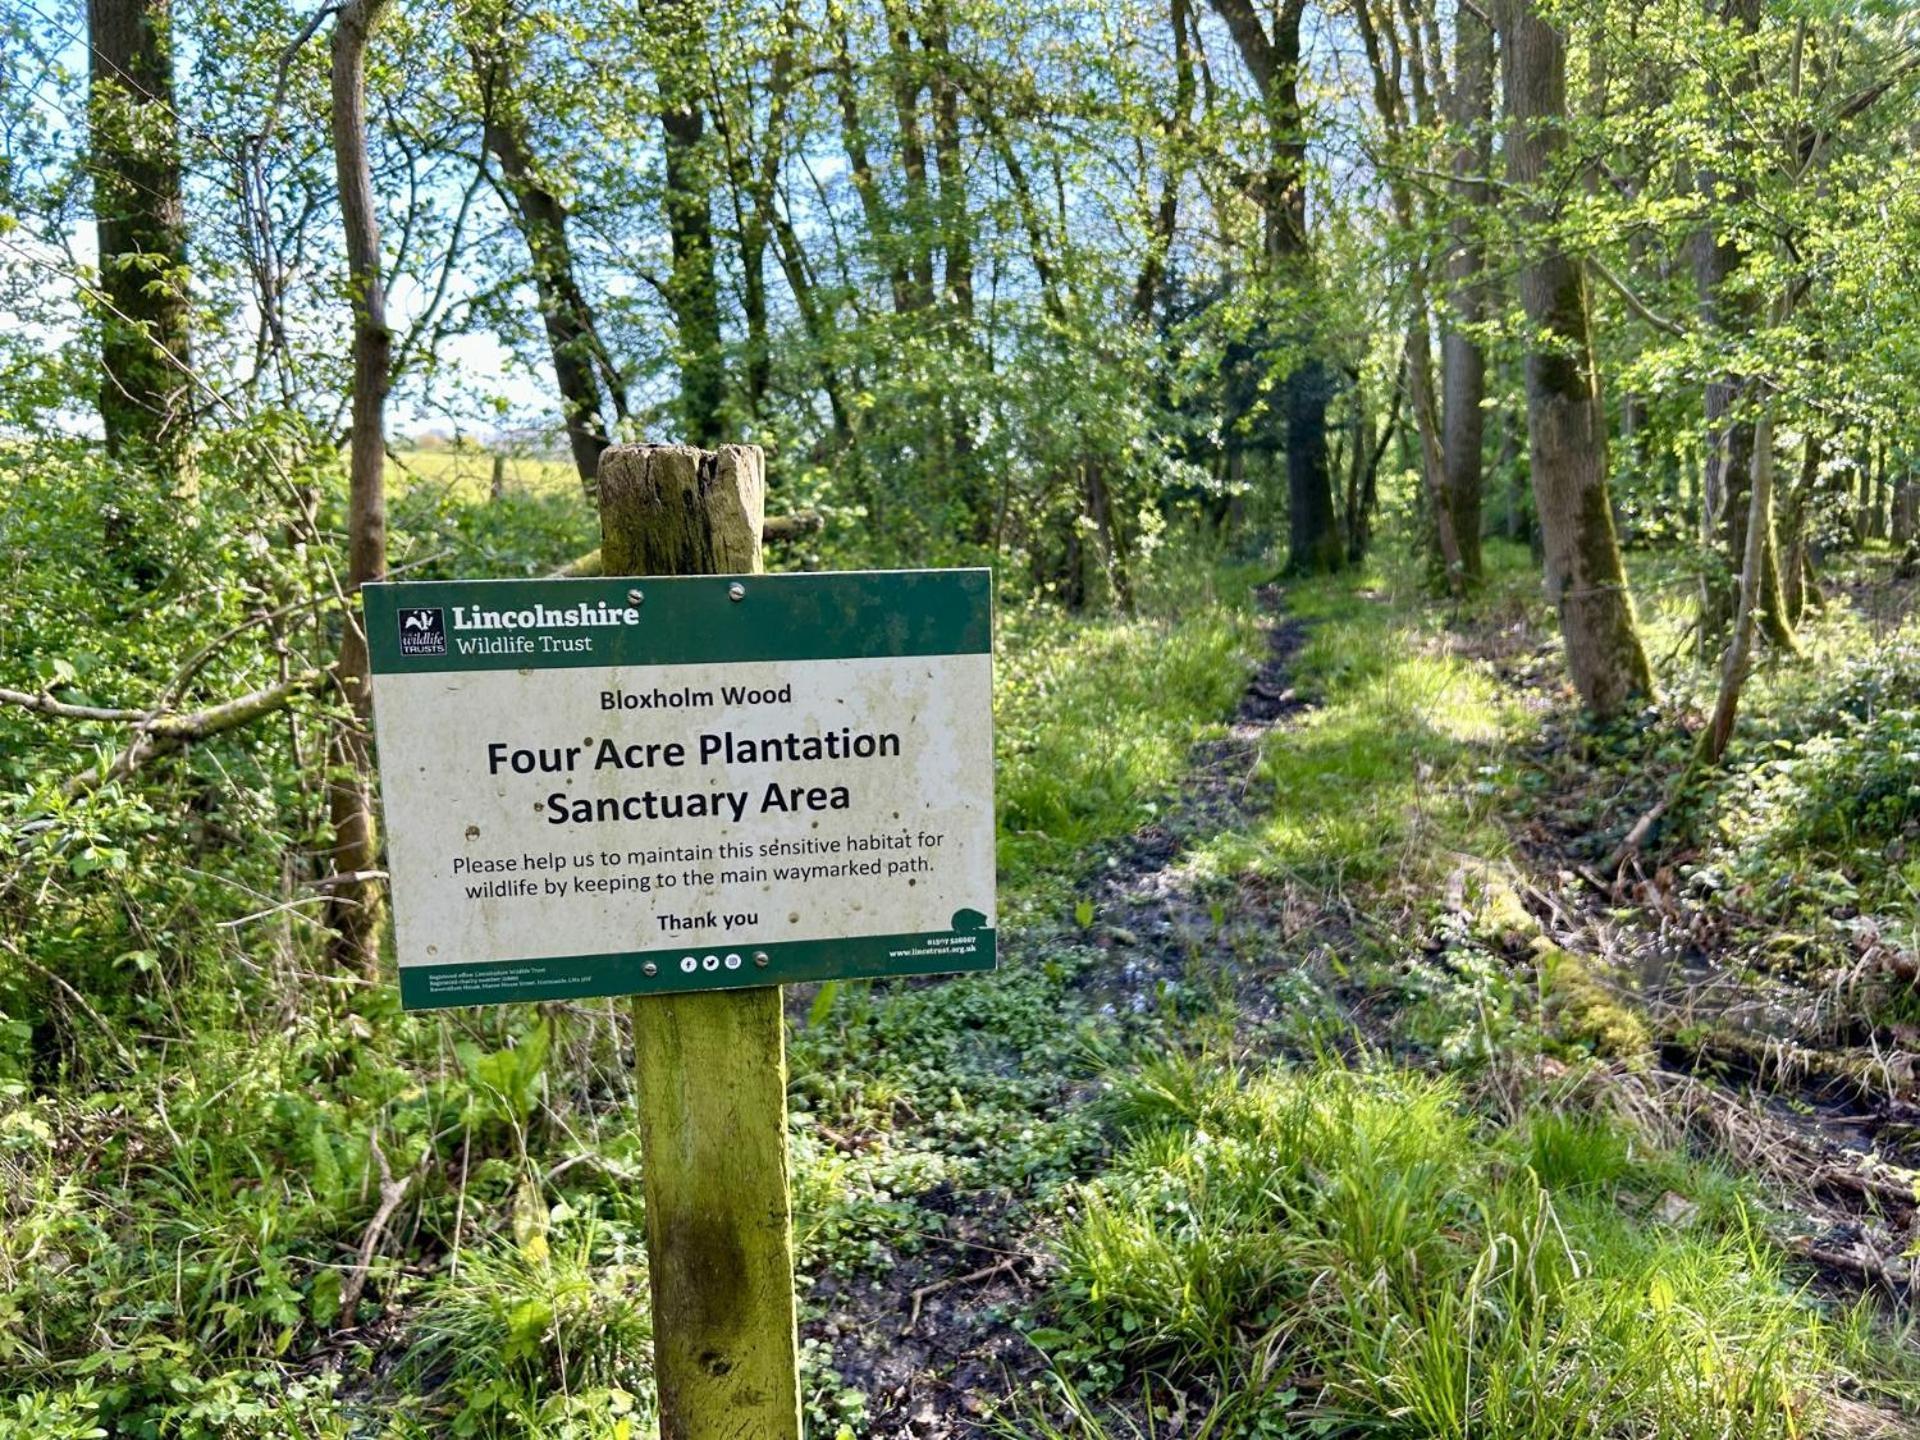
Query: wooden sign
x=629 y=786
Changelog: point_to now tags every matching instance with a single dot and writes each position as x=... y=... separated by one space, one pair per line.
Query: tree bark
x=1380 y=42
x=1148 y=288
x=541 y=217
x=1739 y=652
x=1566 y=421
x=853 y=139
x=905 y=79
x=956 y=224
x=1273 y=61
x=1877 y=515
x=692 y=291
x=1728 y=311
x=1901 y=528
x=1463 y=363
x=145 y=397
x=354 y=909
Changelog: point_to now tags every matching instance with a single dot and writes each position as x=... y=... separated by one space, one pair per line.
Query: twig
x=985 y=1273
x=1636 y=837
x=349 y=877
x=392 y=1193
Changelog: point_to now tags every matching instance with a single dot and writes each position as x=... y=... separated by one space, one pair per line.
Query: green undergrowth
x=1359 y=1246
x=195 y=1135
x=182 y=1210
x=1805 y=843
x=1337 y=1251
x=1097 y=721
x=1399 y=762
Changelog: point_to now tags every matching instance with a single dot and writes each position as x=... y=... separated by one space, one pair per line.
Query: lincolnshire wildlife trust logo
x=423 y=632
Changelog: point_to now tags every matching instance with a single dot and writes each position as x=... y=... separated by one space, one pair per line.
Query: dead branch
x=1636 y=837
x=161 y=734
x=49 y=708
x=392 y=1193
x=1859 y=1262
x=986 y=1272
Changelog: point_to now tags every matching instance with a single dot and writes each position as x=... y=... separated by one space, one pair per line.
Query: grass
x=1096 y=721
x=1353 y=1251
x=467 y=475
x=1398 y=764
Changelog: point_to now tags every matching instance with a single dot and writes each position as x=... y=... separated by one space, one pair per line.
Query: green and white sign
x=623 y=786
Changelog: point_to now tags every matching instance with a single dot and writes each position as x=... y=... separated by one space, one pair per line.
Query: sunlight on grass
x=1352 y=1247
x=467 y=475
x=1378 y=776
x=1096 y=718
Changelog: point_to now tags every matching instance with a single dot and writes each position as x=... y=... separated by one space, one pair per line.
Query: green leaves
x=510 y=1078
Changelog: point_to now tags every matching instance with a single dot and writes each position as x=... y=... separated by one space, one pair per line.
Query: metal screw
x=736 y=591
x=650 y=968
x=635 y=597
x=760 y=957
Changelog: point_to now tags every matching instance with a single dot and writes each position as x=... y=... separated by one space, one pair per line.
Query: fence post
x=711 y=1066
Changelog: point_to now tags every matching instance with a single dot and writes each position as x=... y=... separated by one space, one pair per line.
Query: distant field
x=468 y=474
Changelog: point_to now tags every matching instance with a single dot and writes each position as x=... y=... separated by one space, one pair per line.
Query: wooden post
x=712 y=1066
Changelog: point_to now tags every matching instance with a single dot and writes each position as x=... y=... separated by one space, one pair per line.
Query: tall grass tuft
x=1347 y=1245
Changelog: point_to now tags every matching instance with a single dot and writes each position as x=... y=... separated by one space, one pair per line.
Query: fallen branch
x=161 y=734
x=1636 y=837
x=1867 y=1266
x=392 y=1193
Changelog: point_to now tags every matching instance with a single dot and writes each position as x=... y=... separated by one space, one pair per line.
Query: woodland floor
x=1754 y=1066
x=1385 y=856
x=933 y=1344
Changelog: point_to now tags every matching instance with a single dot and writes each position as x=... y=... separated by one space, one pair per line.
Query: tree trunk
x=1444 y=547
x=1151 y=283
x=354 y=905
x=1566 y=421
x=956 y=224
x=1793 y=531
x=1463 y=364
x=542 y=221
x=1445 y=552
x=913 y=159
x=1877 y=517
x=693 y=292
x=1730 y=310
x=145 y=397
x=853 y=139
x=1273 y=61
x=1739 y=651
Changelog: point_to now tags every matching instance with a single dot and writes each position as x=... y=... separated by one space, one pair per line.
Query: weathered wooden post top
x=691 y=782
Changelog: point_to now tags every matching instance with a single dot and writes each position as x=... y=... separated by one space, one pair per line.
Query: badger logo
x=423 y=632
